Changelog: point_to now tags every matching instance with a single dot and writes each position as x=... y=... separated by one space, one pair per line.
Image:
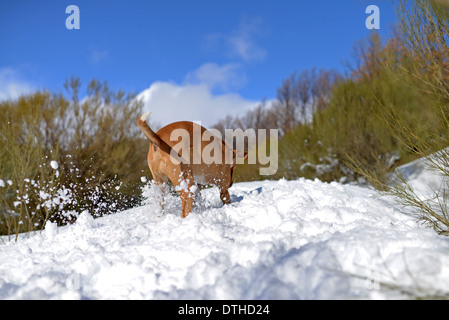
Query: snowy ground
x=278 y=240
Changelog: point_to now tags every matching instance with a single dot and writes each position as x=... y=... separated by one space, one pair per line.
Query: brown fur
x=182 y=175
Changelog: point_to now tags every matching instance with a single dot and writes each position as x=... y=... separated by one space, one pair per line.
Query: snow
x=281 y=239
x=424 y=180
x=145 y=116
x=54 y=164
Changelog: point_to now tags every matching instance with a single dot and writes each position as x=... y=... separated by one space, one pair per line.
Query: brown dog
x=205 y=159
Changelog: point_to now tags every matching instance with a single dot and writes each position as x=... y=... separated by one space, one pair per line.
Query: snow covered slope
x=423 y=179
x=278 y=240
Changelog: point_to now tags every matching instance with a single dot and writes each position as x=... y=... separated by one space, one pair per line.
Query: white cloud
x=241 y=42
x=11 y=85
x=226 y=77
x=195 y=100
x=170 y=102
x=97 y=56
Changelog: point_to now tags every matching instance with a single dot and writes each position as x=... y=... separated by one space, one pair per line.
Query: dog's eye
x=154 y=148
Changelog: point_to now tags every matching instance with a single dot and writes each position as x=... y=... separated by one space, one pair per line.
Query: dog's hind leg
x=224 y=196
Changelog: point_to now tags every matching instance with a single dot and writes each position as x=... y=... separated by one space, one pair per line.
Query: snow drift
x=278 y=240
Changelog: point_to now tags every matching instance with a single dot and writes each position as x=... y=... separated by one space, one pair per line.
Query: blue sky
x=205 y=52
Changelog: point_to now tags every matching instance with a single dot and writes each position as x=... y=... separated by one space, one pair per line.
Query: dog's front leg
x=187 y=202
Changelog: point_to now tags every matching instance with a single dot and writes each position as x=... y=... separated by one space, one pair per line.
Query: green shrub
x=63 y=156
x=421 y=60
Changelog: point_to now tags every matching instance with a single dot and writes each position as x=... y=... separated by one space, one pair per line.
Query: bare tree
x=304 y=86
x=287 y=104
x=298 y=97
x=324 y=80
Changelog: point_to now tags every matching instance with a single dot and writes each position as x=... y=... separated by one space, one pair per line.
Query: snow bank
x=278 y=240
x=424 y=180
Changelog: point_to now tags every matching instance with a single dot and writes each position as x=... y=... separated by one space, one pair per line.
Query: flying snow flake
x=54 y=164
x=2 y=183
x=193 y=188
x=183 y=185
x=43 y=195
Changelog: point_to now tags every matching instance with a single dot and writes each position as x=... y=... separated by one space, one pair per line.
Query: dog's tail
x=154 y=138
x=150 y=134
